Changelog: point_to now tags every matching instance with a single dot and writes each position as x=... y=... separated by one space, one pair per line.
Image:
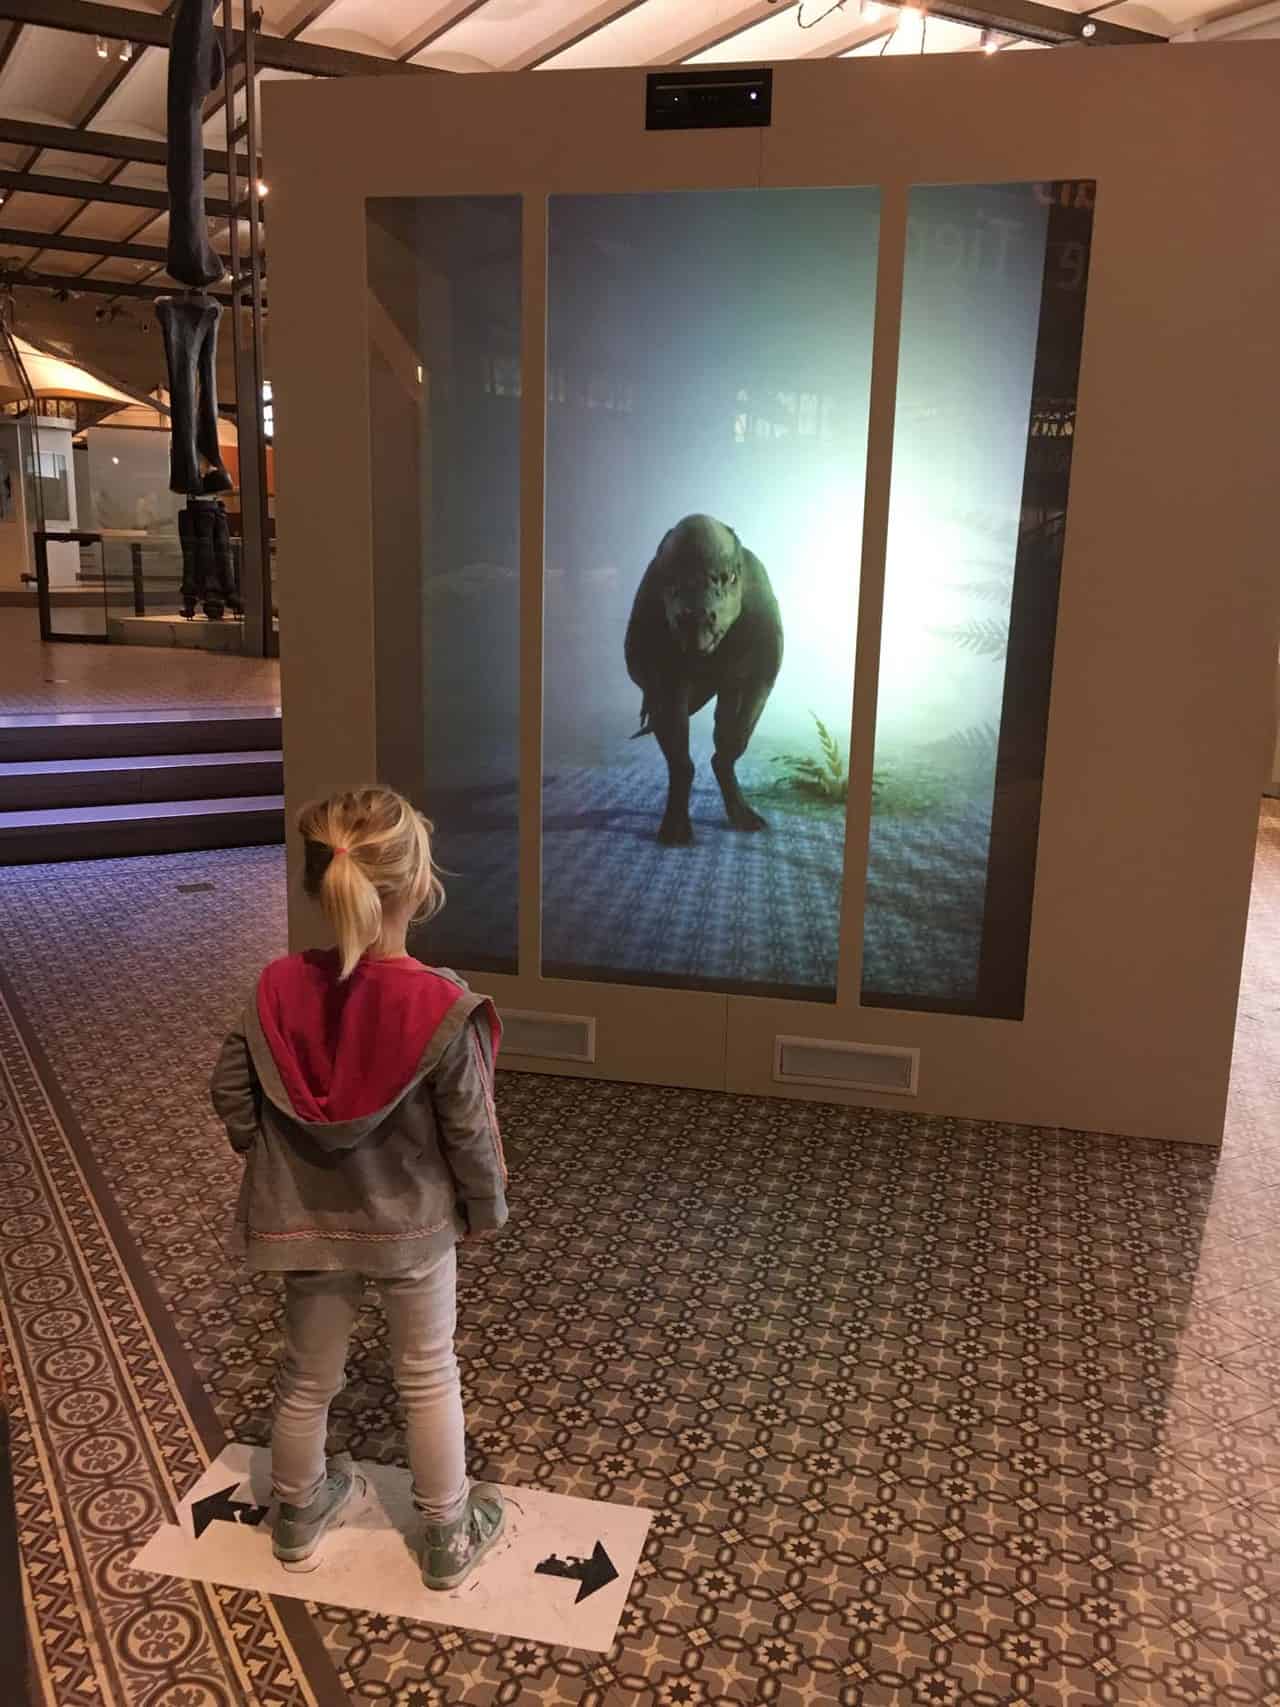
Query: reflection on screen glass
x=444 y=376
x=708 y=380
x=993 y=315
x=47 y=471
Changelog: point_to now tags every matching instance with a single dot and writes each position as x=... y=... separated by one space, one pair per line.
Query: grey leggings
x=421 y=1309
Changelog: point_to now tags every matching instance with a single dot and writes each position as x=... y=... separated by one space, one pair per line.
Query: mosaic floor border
x=108 y=1428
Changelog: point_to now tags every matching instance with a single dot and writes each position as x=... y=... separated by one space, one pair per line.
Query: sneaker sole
x=301 y=1562
x=440 y=1584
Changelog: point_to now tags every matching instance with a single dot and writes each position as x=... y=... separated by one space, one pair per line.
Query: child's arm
x=462 y=1092
x=234 y=1089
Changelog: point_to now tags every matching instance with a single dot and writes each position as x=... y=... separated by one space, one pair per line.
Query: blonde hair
x=364 y=849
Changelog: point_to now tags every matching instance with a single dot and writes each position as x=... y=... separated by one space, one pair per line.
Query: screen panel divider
x=533 y=415
x=886 y=337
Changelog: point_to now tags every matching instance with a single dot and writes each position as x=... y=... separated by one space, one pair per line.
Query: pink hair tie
x=338 y=851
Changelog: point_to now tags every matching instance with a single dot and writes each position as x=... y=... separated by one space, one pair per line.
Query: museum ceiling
x=92 y=222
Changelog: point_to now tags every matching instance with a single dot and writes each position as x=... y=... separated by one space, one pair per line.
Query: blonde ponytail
x=364 y=849
x=353 y=907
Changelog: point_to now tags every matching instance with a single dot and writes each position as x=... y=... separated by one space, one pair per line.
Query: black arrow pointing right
x=590 y=1574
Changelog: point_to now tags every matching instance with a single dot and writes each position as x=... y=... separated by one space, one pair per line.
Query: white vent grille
x=846 y=1066
x=548 y=1037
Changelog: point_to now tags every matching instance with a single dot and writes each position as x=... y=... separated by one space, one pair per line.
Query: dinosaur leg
x=670 y=721
x=206 y=570
x=195 y=70
x=223 y=564
x=216 y=478
x=181 y=323
x=738 y=711
x=187 y=540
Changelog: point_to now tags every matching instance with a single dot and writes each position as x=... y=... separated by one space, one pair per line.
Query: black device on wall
x=708 y=100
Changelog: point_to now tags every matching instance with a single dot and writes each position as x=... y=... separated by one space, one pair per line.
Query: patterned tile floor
x=75 y=677
x=929 y=1412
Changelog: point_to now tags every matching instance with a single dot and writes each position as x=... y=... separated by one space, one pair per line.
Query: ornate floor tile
x=927 y=1410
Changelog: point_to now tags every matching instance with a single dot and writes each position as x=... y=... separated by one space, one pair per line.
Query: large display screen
x=444 y=377
x=709 y=360
x=992 y=326
x=708 y=367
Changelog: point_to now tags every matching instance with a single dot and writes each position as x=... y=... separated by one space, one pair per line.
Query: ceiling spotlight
x=126 y=51
x=104 y=52
x=990 y=42
x=1089 y=31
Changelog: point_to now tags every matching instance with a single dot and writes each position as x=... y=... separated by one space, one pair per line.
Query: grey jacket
x=380 y=1193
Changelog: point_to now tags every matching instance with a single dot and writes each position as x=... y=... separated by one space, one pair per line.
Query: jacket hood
x=338 y=1057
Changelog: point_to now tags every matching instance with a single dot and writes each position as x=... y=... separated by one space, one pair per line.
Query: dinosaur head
x=702 y=583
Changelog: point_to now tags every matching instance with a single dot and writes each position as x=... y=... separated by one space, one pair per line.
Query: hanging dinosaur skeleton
x=189 y=323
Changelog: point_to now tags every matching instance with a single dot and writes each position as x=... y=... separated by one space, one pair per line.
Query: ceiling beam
x=1025 y=18
x=1035 y=22
x=565 y=39
x=312 y=15
x=724 y=29
x=861 y=35
x=103 y=144
x=10 y=42
x=857 y=32
x=570 y=38
x=105 y=248
x=227 y=92
x=438 y=30
x=87 y=190
x=71 y=245
x=151 y=29
x=124 y=70
x=99 y=287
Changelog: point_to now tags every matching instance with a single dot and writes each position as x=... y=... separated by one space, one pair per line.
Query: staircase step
x=166 y=826
x=40 y=784
x=130 y=734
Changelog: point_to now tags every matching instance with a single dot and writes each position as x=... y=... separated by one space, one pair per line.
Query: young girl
x=359 y=1088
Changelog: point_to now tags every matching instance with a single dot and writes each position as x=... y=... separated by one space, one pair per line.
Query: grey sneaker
x=451 y=1551
x=299 y=1529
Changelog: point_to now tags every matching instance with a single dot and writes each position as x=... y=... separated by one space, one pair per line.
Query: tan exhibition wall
x=1162 y=714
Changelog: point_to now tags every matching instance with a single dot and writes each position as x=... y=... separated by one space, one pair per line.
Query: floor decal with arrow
x=561 y=1572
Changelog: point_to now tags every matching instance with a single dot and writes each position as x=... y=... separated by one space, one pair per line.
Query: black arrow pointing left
x=221 y=1508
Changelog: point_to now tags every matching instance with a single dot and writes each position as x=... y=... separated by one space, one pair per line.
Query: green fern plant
x=824 y=778
x=986 y=637
x=994 y=592
x=977 y=744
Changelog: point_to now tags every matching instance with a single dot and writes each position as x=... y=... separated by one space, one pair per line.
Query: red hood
x=345 y=1051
